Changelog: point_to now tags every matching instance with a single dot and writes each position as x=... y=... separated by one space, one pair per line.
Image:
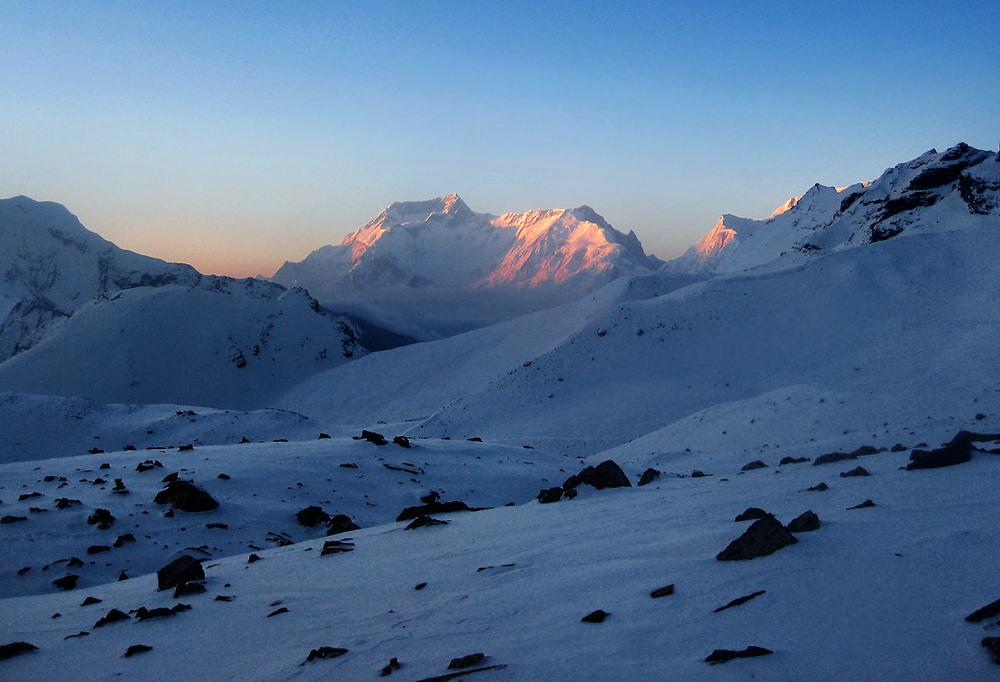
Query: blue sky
x=236 y=136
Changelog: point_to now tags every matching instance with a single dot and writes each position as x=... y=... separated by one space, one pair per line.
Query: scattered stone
x=898 y=447
x=336 y=547
x=223 y=597
x=311 y=516
x=324 y=436
x=37 y=510
x=244 y=440
x=122 y=576
x=419 y=586
x=224 y=477
x=423 y=521
x=340 y=523
x=605 y=475
x=171 y=477
x=107 y=465
x=431 y=497
x=807 y=521
x=401 y=441
x=475 y=439
x=114 y=616
x=863 y=505
x=980 y=416
x=466 y=661
x=662 y=592
x=723 y=655
x=792 y=460
x=820 y=487
x=349 y=465
x=951 y=454
x=186 y=448
x=373 y=437
x=252 y=558
x=185 y=589
x=186 y=496
x=15 y=649
x=751 y=514
x=756 y=464
x=387 y=670
x=148 y=465
x=993 y=644
x=66 y=503
x=81 y=633
x=217 y=525
x=137 y=649
x=739 y=600
x=181 y=570
x=833 y=457
x=95 y=451
x=698 y=473
x=27 y=496
x=570 y=494
x=90 y=600
x=549 y=495
x=988 y=611
x=648 y=476
x=73 y=562
x=856 y=471
x=283 y=609
x=98 y=549
x=142 y=613
x=10 y=518
x=432 y=508
x=764 y=537
x=67 y=582
x=323 y=653
x=597 y=616
x=102 y=518
x=865 y=450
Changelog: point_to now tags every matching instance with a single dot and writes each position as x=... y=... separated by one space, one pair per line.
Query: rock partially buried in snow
x=549 y=495
x=808 y=521
x=988 y=611
x=340 y=523
x=186 y=496
x=992 y=644
x=181 y=570
x=597 y=616
x=464 y=662
x=424 y=521
x=764 y=537
x=137 y=649
x=751 y=514
x=756 y=464
x=432 y=508
x=323 y=653
x=605 y=475
x=311 y=516
x=15 y=649
x=723 y=655
x=648 y=476
x=856 y=471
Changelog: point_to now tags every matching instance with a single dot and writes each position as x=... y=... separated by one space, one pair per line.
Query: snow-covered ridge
x=956 y=189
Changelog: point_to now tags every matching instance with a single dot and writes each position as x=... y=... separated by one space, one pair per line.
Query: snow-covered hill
x=436 y=267
x=932 y=193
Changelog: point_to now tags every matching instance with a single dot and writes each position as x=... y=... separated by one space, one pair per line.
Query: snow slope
x=934 y=192
x=436 y=267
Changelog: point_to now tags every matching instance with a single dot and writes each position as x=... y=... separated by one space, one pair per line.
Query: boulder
x=751 y=514
x=756 y=464
x=67 y=582
x=311 y=516
x=764 y=537
x=605 y=475
x=988 y=611
x=597 y=616
x=992 y=644
x=102 y=518
x=804 y=523
x=137 y=649
x=401 y=441
x=186 y=496
x=15 y=649
x=373 y=437
x=550 y=495
x=114 y=616
x=466 y=661
x=340 y=523
x=856 y=471
x=181 y=570
x=648 y=476
x=662 y=591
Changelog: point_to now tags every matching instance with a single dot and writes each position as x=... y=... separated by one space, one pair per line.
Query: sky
x=237 y=135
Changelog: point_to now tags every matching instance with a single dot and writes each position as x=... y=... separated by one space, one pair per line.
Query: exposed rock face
x=187 y=497
x=181 y=570
x=764 y=537
x=605 y=475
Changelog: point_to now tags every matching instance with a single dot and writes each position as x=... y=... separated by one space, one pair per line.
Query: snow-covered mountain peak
x=956 y=189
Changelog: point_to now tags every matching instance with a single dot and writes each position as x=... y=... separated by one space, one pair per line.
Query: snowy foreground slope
x=435 y=268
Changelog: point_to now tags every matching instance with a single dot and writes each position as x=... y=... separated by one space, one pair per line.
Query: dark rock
x=833 y=457
x=340 y=523
x=898 y=447
x=186 y=448
x=90 y=600
x=223 y=597
x=662 y=592
x=142 y=613
x=252 y=558
x=697 y=473
x=751 y=514
x=27 y=496
x=102 y=518
x=419 y=586
x=792 y=460
x=66 y=503
x=187 y=497
x=67 y=582
x=15 y=649
x=98 y=549
x=277 y=612
x=423 y=521
x=224 y=477
x=349 y=465
x=12 y=519
x=171 y=477
x=324 y=436
x=951 y=454
x=605 y=475
x=373 y=437
x=336 y=547
x=37 y=510
x=723 y=655
x=401 y=441
x=466 y=661
x=122 y=576
x=311 y=516
x=993 y=645
x=475 y=439
x=185 y=589
x=739 y=600
x=431 y=497
x=114 y=616
x=323 y=653
x=387 y=670
x=863 y=505
x=856 y=471
x=217 y=525
x=107 y=465
x=137 y=649
x=244 y=440
x=865 y=450
x=570 y=494
x=764 y=537
x=648 y=476
x=597 y=616
x=148 y=465
x=181 y=570
x=804 y=523
x=820 y=487
x=81 y=633
x=988 y=611
x=432 y=508
x=95 y=451
x=73 y=562
x=550 y=495
x=756 y=464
